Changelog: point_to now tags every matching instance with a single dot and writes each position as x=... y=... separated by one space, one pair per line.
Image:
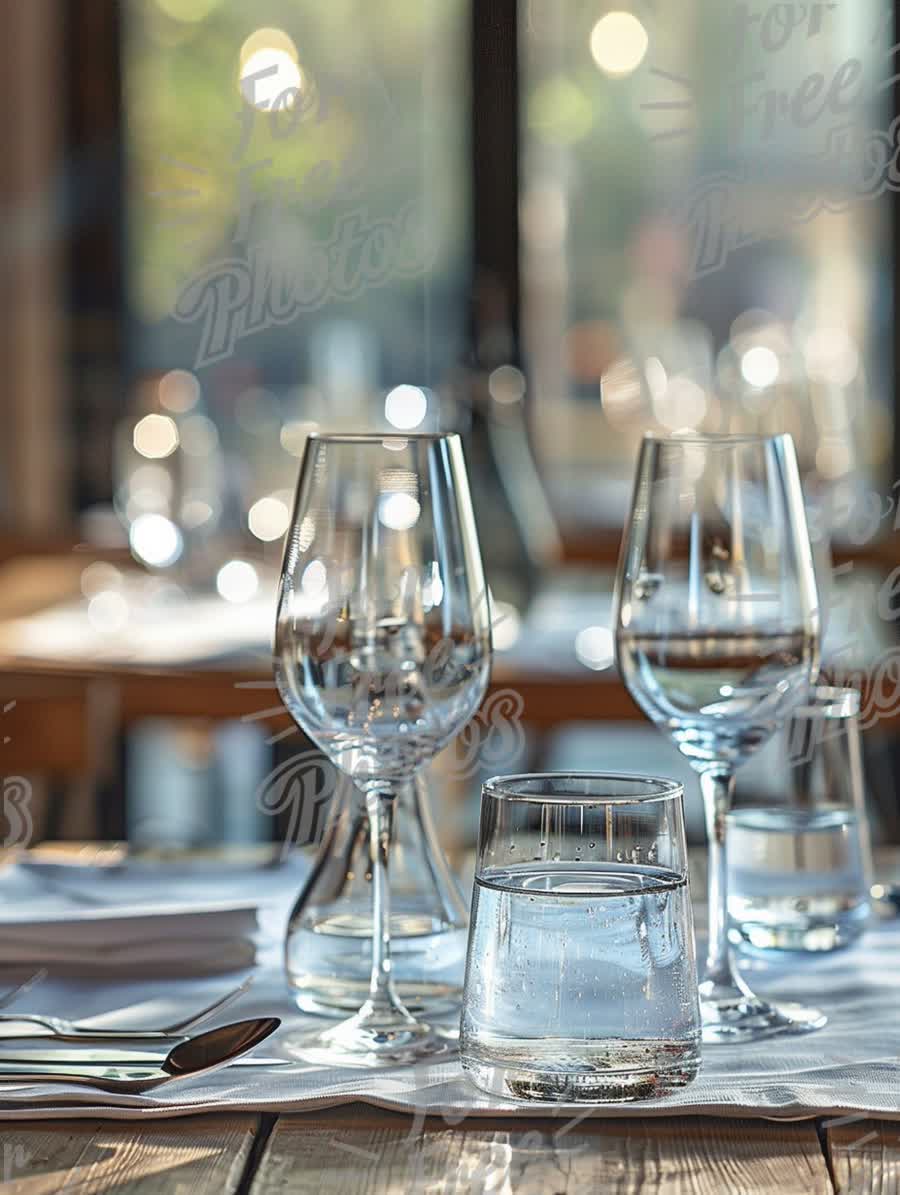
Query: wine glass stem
x=382 y=993
x=717 y=790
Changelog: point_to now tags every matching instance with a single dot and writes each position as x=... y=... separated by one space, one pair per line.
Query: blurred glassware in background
x=188 y=785
x=328 y=950
x=169 y=476
x=511 y=507
x=799 y=866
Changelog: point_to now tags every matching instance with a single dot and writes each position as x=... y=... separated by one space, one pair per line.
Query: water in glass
x=796 y=878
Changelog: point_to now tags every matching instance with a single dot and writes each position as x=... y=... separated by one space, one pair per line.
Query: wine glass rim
x=510 y=788
x=715 y=438
x=380 y=437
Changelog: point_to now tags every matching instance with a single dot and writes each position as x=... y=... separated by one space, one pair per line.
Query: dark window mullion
x=495 y=181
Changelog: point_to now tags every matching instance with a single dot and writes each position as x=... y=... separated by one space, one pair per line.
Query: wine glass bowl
x=717 y=639
x=382 y=650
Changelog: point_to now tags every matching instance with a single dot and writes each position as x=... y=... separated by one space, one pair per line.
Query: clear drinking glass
x=799 y=865
x=717 y=639
x=581 y=981
x=382 y=655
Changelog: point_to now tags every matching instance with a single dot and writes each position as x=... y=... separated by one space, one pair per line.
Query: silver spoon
x=116 y=1071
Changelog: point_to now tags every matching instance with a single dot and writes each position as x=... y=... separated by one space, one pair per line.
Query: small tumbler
x=581 y=981
x=799 y=867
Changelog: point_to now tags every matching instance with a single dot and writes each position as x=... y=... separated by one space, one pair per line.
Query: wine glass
x=382 y=655
x=717 y=639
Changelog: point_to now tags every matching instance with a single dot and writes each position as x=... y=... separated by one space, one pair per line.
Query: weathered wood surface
x=202 y=1155
x=361 y=1150
x=864 y=1156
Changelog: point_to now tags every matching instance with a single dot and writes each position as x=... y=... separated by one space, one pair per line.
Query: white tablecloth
x=850 y=1067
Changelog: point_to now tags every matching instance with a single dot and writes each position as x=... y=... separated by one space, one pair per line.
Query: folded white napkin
x=131 y=942
x=122 y=930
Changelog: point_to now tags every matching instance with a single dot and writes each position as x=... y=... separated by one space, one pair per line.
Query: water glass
x=581 y=981
x=800 y=865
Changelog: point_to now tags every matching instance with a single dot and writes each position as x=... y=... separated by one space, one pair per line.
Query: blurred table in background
x=77 y=670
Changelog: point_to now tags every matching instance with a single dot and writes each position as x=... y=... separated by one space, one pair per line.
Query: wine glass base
x=341 y=1000
x=747 y=1018
x=364 y=1042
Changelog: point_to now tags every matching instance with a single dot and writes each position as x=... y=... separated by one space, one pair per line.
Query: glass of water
x=799 y=864
x=581 y=981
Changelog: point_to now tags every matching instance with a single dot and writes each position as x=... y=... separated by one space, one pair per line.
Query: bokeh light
x=398 y=512
x=271 y=56
x=107 y=610
x=237 y=581
x=760 y=366
x=594 y=647
x=315 y=578
x=618 y=43
x=559 y=111
x=506 y=384
x=179 y=390
x=155 y=436
x=405 y=407
x=155 y=540
x=269 y=517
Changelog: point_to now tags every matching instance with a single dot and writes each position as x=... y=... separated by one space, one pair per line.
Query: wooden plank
x=358 y=1149
x=198 y=1154
x=864 y=1156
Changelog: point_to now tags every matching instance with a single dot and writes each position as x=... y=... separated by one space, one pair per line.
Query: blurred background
x=550 y=225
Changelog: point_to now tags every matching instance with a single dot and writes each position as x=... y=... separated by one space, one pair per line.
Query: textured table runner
x=852 y=1066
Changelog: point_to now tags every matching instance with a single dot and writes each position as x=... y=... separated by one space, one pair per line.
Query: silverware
x=108 y=1069
x=70 y=1029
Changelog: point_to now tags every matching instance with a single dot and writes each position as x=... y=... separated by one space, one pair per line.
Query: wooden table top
x=361 y=1149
